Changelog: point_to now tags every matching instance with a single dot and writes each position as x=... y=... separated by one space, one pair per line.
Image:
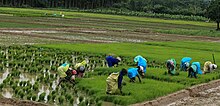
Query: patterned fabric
x=112 y=83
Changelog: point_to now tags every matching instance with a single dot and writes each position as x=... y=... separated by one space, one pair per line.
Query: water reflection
x=54 y=85
x=7 y=94
x=4 y=76
x=40 y=92
x=23 y=77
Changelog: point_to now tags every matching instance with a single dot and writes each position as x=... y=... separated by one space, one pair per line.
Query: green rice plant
x=99 y=103
x=34 y=97
x=91 y=101
x=54 y=97
x=49 y=97
x=68 y=96
x=1 y=86
x=35 y=87
x=61 y=99
x=132 y=96
x=29 y=97
x=71 y=100
x=81 y=98
x=21 y=94
x=14 y=86
x=41 y=97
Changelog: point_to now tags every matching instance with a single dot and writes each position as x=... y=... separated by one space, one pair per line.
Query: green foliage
x=159 y=88
x=41 y=97
x=71 y=100
x=1 y=86
x=81 y=98
x=155 y=85
x=34 y=97
x=82 y=104
x=49 y=97
x=154 y=51
x=61 y=99
x=213 y=10
x=145 y=14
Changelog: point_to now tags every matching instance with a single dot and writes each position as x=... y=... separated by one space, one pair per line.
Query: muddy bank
x=13 y=102
x=196 y=95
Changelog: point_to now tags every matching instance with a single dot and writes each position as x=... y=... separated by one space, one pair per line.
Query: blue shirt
x=132 y=72
x=183 y=61
x=142 y=62
x=198 y=70
x=111 y=61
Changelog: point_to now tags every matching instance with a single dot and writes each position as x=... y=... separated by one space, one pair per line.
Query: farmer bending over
x=171 y=65
x=114 y=82
x=209 y=67
x=141 y=62
x=185 y=63
x=80 y=68
x=66 y=73
x=134 y=72
x=194 y=69
x=112 y=60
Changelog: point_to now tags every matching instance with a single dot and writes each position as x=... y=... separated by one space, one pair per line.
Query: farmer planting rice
x=80 y=68
x=209 y=67
x=142 y=63
x=66 y=73
x=134 y=72
x=114 y=82
x=112 y=61
x=194 y=69
x=185 y=63
x=171 y=65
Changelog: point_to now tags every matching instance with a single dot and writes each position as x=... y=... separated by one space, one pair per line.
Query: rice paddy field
x=34 y=42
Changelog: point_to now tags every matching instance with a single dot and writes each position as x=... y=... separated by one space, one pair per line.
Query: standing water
x=7 y=94
x=4 y=76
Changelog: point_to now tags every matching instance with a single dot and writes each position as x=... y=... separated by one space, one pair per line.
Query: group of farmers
x=114 y=80
x=193 y=68
x=68 y=73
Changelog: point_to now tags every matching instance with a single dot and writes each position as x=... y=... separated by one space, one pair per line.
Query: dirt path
x=210 y=97
x=15 y=102
x=206 y=94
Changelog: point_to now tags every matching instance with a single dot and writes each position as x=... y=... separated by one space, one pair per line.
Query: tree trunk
x=218 y=29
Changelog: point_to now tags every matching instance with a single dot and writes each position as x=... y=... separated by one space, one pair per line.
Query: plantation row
x=29 y=73
x=32 y=71
x=145 y=14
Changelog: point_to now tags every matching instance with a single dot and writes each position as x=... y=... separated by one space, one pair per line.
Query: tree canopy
x=213 y=11
x=184 y=7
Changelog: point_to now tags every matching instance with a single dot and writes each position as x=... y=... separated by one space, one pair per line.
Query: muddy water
x=7 y=93
x=23 y=77
x=54 y=85
x=40 y=92
x=47 y=93
x=4 y=76
x=210 y=97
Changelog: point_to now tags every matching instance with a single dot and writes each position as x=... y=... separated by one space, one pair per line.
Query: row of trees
x=82 y=4
x=184 y=7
